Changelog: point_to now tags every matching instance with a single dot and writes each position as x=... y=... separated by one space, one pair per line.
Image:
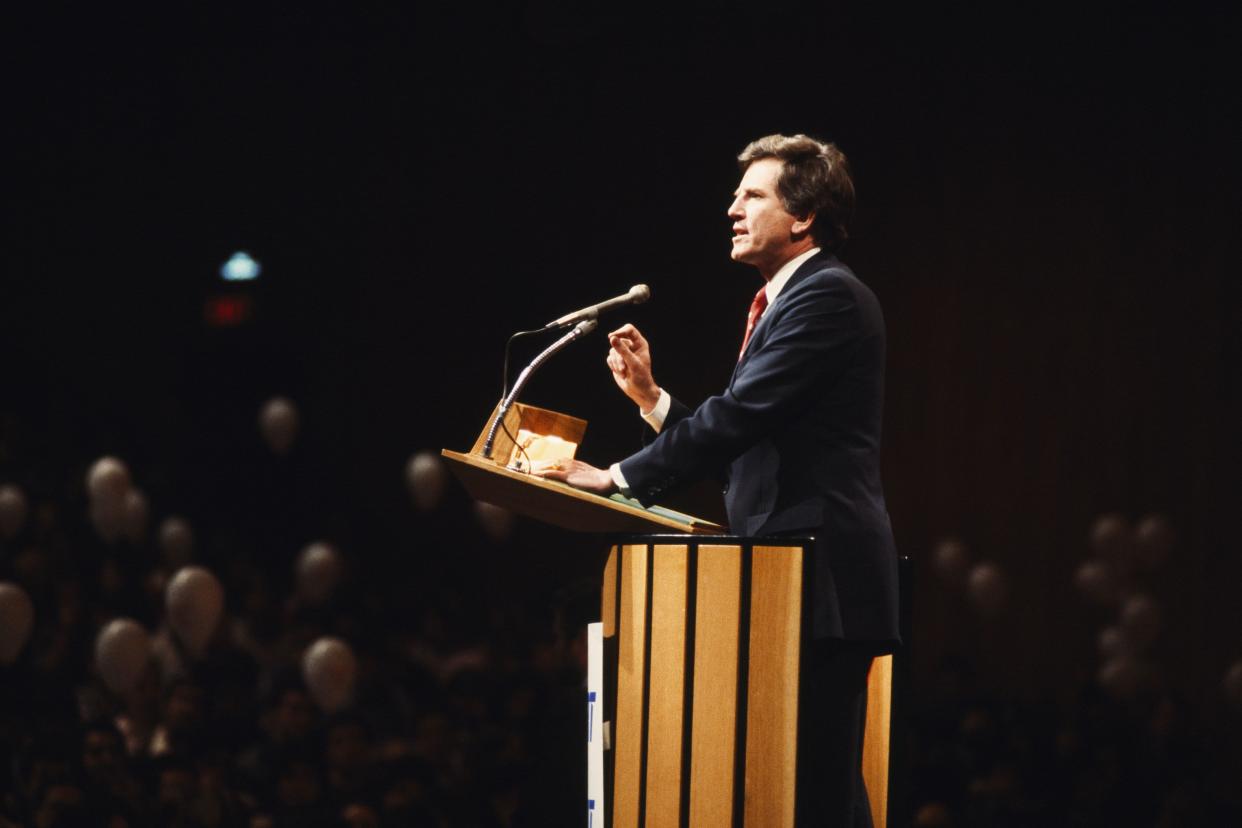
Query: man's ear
x=802 y=226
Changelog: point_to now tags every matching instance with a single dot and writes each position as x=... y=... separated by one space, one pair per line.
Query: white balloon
x=1095 y=580
x=194 y=601
x=108 y=479
x=13 y=509
x=317 y=572
x=425 y=478
x=330 y=670
x=1140 y=619
x=107 y=516
x=16 y=621
x=1113 y=642
x=122 y=653
x=1112 y=538
x=497 y=522
x=986 y=585
x=278 y=423
x=134 y=516
x=1120 y=676
x=1154 y=540
x=176 y=541
x=951 y=559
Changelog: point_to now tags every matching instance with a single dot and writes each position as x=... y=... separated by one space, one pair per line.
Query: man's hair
x=814 y=179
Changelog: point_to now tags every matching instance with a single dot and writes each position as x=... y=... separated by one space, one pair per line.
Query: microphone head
x=640 y=294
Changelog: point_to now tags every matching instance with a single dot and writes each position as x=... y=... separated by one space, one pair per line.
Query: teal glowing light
x=240 y=268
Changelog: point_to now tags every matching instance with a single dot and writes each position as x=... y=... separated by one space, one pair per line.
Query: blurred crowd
x=145 y=681
x=1150 y=760
x=1131 y=747
x=149 y=678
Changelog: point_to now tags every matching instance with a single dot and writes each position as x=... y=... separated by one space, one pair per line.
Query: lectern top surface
x=561 y=505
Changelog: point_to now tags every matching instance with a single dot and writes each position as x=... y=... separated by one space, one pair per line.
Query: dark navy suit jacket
x=797 y=432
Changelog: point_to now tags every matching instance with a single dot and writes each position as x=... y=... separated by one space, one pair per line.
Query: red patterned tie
x=757 y=308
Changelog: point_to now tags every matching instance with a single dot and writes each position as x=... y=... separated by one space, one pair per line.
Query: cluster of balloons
x=1121 y=554
x=13 y=509
x=985 y=582
x=1111 y=578
x=278 y=424
x=194 y=604
x=117 y=509
x=193 y=596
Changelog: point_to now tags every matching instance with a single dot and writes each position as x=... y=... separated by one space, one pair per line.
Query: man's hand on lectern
x=579 y=475
x=629 y=359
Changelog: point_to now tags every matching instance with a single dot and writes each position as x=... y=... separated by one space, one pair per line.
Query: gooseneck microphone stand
x=580 y=330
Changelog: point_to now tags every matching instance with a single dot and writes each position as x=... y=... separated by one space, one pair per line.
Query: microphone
x=637 y=295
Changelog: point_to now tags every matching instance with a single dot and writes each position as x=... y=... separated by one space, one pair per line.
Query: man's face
x=764 y=233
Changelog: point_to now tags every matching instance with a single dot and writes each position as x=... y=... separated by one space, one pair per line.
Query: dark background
x=1047 y=212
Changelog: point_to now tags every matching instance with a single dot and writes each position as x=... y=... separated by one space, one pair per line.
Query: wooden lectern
x=703 y=637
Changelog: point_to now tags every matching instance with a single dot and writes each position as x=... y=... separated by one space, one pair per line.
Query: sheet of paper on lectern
x=540 y=450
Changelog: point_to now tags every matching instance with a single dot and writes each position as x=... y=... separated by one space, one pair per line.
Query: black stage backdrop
x=1048 y=207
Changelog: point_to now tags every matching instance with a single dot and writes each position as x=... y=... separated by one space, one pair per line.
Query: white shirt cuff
x=659 y=412
x=619 y=479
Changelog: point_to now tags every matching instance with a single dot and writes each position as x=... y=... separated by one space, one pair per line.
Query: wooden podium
x=493 y=480
x=703 y=640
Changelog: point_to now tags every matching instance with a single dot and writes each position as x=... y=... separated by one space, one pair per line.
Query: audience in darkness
x=466 y=712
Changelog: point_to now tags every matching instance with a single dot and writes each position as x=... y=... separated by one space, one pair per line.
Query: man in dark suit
x=797 y=431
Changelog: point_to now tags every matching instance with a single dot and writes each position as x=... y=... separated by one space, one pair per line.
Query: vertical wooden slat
x=610 y=600
x=715 y=685
x=627 y=737
x=666 y=687
x=876 y=737
x=772 y=698
x=608 y=596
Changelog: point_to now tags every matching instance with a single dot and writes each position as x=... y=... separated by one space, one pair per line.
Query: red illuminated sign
x=228 y=311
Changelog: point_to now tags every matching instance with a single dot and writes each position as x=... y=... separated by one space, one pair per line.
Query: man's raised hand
x=629 y=359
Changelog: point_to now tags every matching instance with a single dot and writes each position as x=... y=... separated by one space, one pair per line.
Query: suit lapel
x=820 y=261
